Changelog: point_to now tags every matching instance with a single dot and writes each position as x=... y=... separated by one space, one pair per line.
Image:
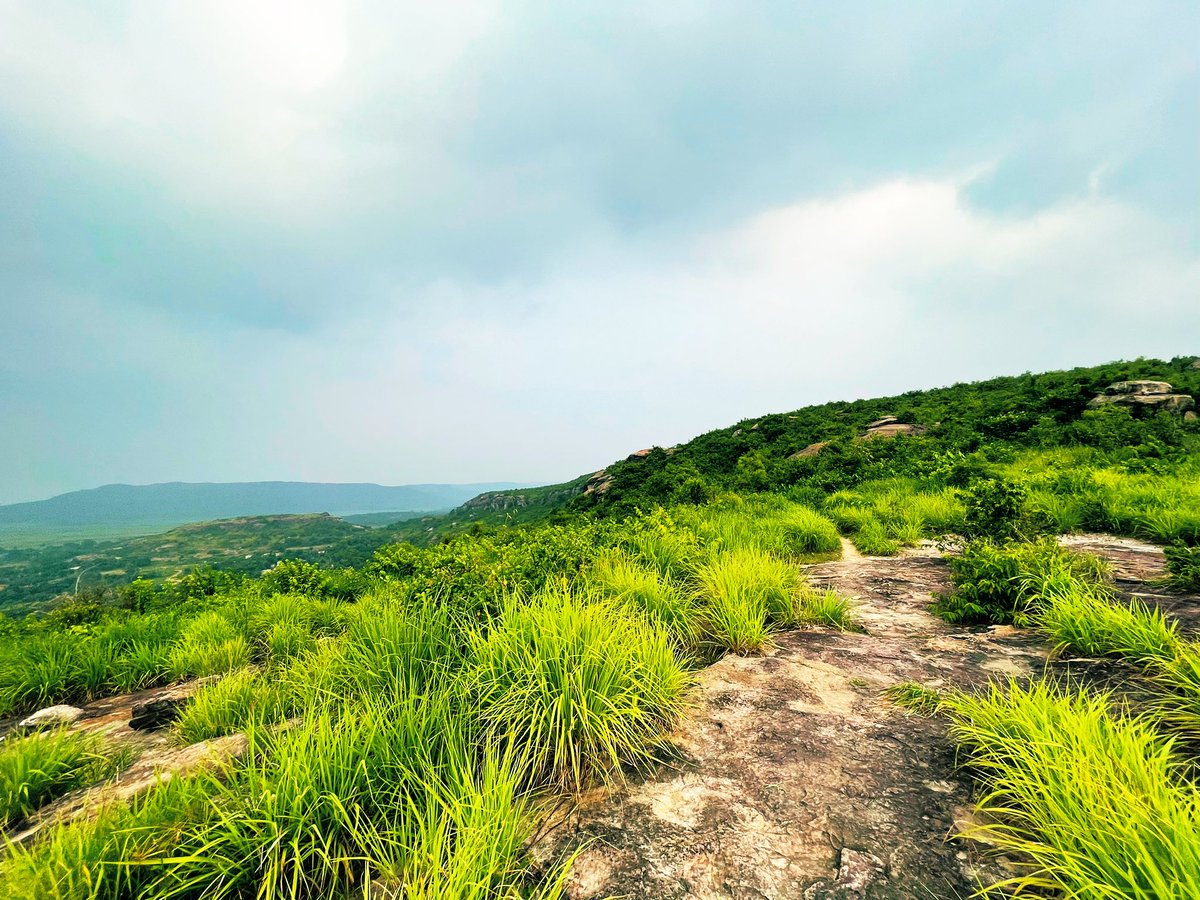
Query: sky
x=471 y=241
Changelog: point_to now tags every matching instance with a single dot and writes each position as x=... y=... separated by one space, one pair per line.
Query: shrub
x=994 y=509
x=575 y=687
x=294 y=576
x=1001 y=583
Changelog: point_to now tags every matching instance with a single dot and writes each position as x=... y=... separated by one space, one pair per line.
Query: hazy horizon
x=356 y=242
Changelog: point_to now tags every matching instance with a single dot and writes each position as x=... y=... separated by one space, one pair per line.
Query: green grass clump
x=1087 y=620
x=231 y=704
x=643 y=589
x=36 y=768
x=825 y=608
x=872 y=539
x=575 y=687
x=767 y=525
x=915 y=697
x=744 y=594
x=209 y=645
x=1097 y=804
x=390 y=795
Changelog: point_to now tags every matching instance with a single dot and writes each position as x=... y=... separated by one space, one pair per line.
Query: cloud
x=352 y=240
x=892 y=287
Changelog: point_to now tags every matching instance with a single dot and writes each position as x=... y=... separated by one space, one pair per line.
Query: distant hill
x=247 y=544
x=161 y=506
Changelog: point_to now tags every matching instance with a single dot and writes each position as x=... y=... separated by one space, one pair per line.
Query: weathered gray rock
x=1146 y=394
x=599 y=483
x=50 y=717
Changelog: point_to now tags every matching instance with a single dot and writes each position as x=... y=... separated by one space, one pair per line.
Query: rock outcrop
x=890 y=427
x=50 y=717
x=810 y=450
x=599 y=483
x=1144 y=394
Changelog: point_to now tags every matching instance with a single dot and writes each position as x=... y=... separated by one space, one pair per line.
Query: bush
x=994 y=509
x=1002 y=583
x=575 y=687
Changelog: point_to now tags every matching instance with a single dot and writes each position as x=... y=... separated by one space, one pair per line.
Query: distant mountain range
x=178 y=503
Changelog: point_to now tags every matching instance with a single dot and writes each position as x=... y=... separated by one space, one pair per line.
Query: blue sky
x=347 y=241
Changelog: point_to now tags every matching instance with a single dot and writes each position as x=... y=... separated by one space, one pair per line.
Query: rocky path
x=794 y=778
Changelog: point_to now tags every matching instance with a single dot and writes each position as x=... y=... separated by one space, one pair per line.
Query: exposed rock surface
x=792 y=778
x=50 y=717
x=599 y=483
x=1151 y=394
x=810 y=450
x=792 y=774
x=893 y=429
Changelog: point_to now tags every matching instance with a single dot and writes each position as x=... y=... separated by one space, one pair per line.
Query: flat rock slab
x=794 y=779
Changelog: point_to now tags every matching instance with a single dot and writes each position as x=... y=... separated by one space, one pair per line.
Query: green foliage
x=915 y=697
x=872 y=539
x=232 y=704
x=994 y=509
x=39 y=767
x=209 y=645
x=1096 y=804
x=1002 y=583
x=1183 y=566
x=746 y=593
x=575 y=687
x=639 y=587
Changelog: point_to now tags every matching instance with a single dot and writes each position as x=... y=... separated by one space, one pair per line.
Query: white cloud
x=894 y=287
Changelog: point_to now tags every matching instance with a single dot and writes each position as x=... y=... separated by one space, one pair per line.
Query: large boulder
x=599 y=483
x=1145 y=395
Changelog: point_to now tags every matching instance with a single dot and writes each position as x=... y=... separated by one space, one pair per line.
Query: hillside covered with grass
x=411 y=721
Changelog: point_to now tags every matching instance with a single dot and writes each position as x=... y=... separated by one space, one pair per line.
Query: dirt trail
x=795 y=779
